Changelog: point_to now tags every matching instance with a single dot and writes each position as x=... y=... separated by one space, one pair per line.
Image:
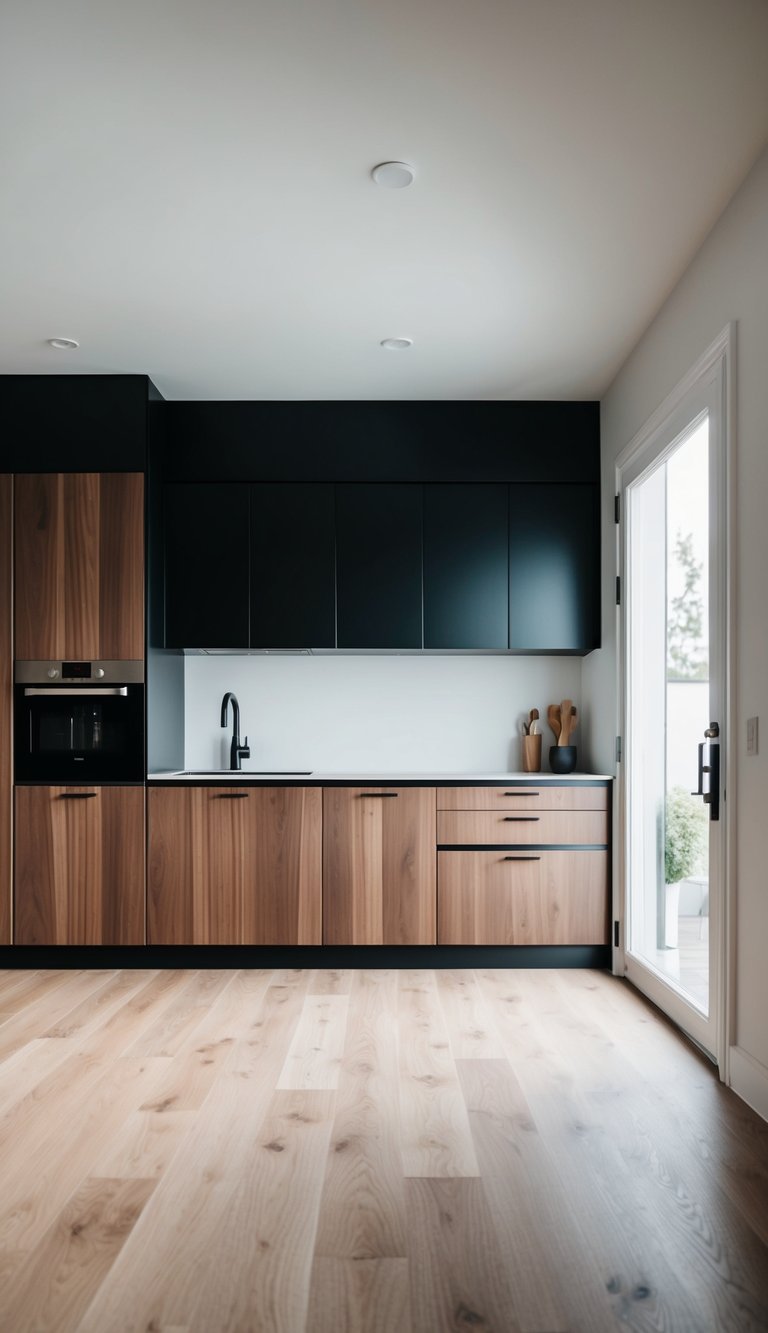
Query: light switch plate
x=751 y=735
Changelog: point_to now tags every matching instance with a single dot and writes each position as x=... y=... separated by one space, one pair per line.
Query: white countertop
x=375 y=779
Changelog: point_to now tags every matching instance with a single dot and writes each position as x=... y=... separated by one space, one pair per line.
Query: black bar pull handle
x=381 y=794
x=520 y=819
x=521 y=858
x=231 y=796
x=77 y=795
x=521 y=793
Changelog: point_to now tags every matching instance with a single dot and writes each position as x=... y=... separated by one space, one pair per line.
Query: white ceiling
x=186 y=186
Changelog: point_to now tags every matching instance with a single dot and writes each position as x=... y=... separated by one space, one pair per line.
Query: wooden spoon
x=553 y=718
x=565 y=721
x=533 y=716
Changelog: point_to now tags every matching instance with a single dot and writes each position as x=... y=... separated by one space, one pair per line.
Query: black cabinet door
x=466 y=566
x=293 y=566
x=206 y=565
x=378 y=566
x=554 y=568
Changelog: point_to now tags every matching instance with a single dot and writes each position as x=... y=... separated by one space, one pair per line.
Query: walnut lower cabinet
x=523 y=864
x=523 y=897
x=379 y=865
x=235 y=865
x=79 y=865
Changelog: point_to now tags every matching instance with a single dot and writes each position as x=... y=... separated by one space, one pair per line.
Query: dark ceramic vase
x=562 y=758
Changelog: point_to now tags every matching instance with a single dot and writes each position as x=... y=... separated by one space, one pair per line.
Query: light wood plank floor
x=344 y=1152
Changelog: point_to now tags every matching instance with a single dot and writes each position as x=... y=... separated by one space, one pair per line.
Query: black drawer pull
x=521 y=858
x=380 y=794
x=77 y=795
x=521 y=793
x=231 y=796
x=520 y=819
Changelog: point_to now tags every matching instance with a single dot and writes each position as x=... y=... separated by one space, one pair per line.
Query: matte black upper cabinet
x=378 y=566
x=206 y=565
x=466 y=579
x=554 y=568
x=293 y=574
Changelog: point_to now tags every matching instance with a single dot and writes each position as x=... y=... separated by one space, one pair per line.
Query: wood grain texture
x=230 y=865
x=79 y=865
x=434 y=1130
x=547 y=796
x=543 y=826
x=79 y=566
x=362 y=1210
x=504 y=898
x=379 y=865
x=6 y=707
x=585 y=1173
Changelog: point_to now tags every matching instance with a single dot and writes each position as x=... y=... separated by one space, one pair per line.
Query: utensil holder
x=562 y=758
x=532 y=754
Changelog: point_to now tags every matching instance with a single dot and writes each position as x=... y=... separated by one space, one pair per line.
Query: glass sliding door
x=673 y=690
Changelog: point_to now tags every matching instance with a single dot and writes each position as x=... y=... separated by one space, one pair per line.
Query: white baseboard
x=749 y=1079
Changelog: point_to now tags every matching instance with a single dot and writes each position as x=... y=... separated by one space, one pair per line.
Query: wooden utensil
x=565 y=721
x=533 y=716
x=553 y=718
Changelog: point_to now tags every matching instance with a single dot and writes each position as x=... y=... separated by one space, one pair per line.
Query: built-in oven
x=79 y=722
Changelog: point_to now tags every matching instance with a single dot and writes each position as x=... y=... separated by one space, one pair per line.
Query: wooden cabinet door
x=466 y=566
x=379 y=865
x=379 y=566
x=79 y=865
x=293 y=566
x=554 y=568
x=235 y=865
x=79 y=566
x=206 y=565
x=521 y=897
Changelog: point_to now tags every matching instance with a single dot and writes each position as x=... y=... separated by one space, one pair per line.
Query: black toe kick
x=332 y=956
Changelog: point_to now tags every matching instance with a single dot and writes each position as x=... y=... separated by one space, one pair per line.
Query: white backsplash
x=374 y=714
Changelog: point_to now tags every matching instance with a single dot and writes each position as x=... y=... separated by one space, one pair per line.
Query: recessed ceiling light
x=63 y=344
x=393 y=175
x=396 y=344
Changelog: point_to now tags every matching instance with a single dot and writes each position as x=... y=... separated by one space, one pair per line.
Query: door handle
x=382 y=795
x=521 y=793
x=520 y=819
x=77 y=795
x=710 y=793
x=231 y=796
x=521 y=858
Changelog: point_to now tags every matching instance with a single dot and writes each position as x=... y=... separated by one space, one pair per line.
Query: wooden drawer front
x=563 y=827
x=542 y=797
x=522 y=898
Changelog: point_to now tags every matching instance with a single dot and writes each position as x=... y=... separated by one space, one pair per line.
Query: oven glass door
x=72 y=734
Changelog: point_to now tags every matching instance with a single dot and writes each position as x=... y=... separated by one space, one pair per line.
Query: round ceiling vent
x=63 y=344
x=393 y=175
x=396 y=344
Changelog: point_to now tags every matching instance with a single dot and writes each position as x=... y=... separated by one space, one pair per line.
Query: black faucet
x=236 y=750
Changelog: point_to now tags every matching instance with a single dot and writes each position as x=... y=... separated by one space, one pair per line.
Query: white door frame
x=715 y=367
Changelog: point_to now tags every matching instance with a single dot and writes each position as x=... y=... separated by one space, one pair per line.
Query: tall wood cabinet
x=79 y=566
x=379 y=865
x=235 y=865
x=79 y=865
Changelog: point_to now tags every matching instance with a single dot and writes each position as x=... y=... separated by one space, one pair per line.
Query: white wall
x=371 y=714
x=728 y=280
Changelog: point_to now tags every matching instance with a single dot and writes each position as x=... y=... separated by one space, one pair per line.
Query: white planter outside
x=671 y=914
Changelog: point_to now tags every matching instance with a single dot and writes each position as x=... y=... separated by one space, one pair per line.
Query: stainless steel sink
x=244 y=773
